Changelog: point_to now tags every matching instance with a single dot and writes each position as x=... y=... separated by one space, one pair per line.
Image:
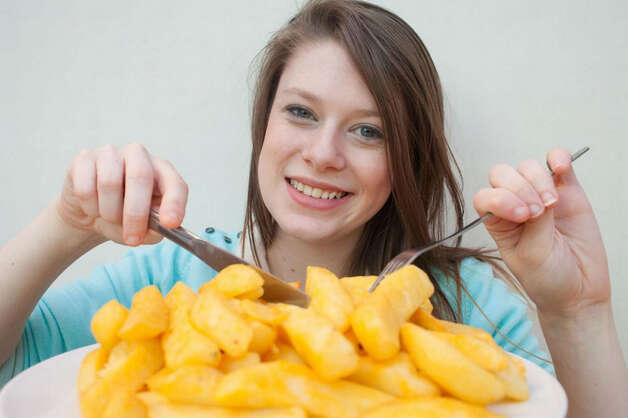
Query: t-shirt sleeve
x=61 y=319
x=507 y=310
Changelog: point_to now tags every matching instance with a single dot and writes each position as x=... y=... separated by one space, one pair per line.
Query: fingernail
x=172 y=217
x=548 y=198
x=535 y=210
x=133 y=240
x=521 y=212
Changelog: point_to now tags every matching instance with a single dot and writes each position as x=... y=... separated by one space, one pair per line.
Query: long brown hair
x=403 y=81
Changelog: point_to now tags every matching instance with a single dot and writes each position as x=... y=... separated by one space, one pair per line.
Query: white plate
x=48 y=390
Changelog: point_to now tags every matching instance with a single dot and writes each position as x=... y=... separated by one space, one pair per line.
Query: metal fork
x=406 y=257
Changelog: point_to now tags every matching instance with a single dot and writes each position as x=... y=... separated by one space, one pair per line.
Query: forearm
x=29 y=263
x=589 y=362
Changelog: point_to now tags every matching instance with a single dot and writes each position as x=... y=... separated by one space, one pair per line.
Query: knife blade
x=275 y=289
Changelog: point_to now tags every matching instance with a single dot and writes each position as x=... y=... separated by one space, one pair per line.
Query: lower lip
x=314 y=203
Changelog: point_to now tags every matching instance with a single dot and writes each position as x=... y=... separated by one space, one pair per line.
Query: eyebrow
x=317 y=100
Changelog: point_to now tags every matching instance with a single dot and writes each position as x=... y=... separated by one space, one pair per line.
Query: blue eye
x=300 y=112
x=368 y=132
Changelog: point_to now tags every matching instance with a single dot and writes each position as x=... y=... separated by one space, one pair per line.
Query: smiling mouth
x=315 y=192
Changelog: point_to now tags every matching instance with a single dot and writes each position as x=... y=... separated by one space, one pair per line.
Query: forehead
x=325 y=69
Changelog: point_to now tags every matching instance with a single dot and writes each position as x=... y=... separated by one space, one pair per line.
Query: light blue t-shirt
x=61 y=320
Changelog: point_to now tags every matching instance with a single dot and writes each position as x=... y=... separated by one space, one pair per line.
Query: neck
x=288 y=257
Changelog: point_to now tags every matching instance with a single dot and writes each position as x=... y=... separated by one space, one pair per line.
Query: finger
x=110 y=184
x=138 y=189
x=174 y=193
x=541 y=180
x=84 y=182
x=504 y=176
x=502 y=203
x=559 y=161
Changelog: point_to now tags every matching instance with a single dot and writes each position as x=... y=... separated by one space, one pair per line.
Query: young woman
x=350 y=166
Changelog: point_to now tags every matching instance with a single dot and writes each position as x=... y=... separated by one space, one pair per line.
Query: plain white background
x=519 y=78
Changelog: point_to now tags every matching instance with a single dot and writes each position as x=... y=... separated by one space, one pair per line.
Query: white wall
x=519 y=78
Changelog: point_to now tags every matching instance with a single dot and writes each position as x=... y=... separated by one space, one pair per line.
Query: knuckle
x=528 y=165
x=497 y=170
x=136 y=147
x=142 y=174
x=136 y=220
x=108 y=149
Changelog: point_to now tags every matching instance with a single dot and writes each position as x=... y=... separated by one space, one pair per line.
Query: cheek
x=376 y=179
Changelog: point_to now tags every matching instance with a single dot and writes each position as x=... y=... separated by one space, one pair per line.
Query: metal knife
x=275 y=290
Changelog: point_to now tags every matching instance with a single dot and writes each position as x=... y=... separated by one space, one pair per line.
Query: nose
x=323 y=149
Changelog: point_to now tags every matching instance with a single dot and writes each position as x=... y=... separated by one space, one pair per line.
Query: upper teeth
x=316 y=192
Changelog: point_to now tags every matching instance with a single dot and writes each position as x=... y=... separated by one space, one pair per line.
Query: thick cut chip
x=91 y=365
x=148 y=316
x=125 y=404
x=514 y=382
x=265 y=313
x=107 y=322
x=252 y=294
x=264 y=337
x=428 y=321
x=328 y=297
x=160 y=407
x=129 y=365
x=212 y=315
x=236 y=280
x=448 y=367
x=325 y=349
x=430 y=408
x=230 y=364
x=188 y=384
x=282 y=351
x=283 y=384
x=397 y=376
x=184 y=344
x=377 y=320
x=179 y=301
x=357 y=287
x=486 y=355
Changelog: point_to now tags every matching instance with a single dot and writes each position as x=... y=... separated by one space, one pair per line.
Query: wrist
x=595 y=318
x=74 y=239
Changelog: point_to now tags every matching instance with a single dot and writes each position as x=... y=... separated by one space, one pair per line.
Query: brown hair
x=403 y=81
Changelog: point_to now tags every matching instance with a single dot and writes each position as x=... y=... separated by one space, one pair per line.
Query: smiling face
x=322 y=169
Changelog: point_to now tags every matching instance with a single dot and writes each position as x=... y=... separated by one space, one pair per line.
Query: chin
x=309 y=230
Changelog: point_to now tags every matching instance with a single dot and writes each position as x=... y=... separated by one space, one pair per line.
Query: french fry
x=124 y=403
x=128 y=367
x=448 y=367
x=282 y=351
x=377 y=320
x=430 y=407
x=487 y=356
x=188 y=384
x=320 y=344
x=160 y=407
x=148 y=316
x=91 y=365
x=328 y=297
x=179 y=302
x=235 y=280
x=265 y=313
x=212 y=315
x=264 y=337
x=428 y=321
x=184 y=345
x=397 y=376
x=514 y=382
x=280 y=384
x=357 y=287
x=107 y=322
x=230 y=364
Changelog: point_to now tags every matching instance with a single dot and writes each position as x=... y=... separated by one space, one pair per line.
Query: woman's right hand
x=109 y=192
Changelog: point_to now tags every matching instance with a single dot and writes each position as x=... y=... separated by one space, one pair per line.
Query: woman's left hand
x=547 y=234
